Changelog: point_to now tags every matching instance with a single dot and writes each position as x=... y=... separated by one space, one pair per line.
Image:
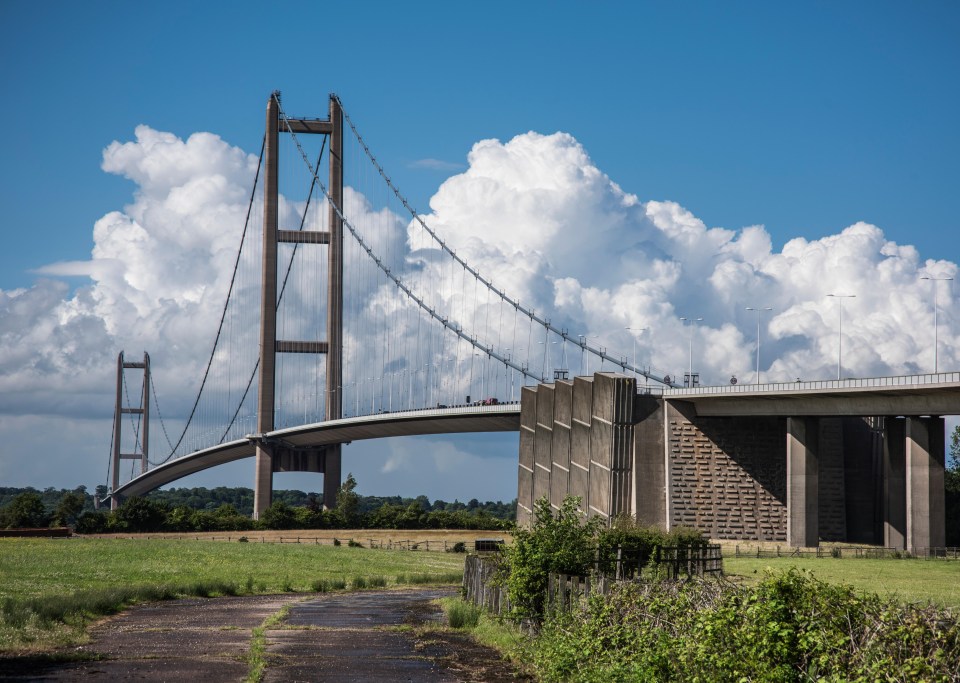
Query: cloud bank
x=533 y=214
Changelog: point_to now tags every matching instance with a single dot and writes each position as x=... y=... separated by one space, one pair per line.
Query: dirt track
x=365 y=636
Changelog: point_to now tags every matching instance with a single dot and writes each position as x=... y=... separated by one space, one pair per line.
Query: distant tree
x=952 y=491
x=348 y=501
x=69 y=508
x=93 y=522
x=26 y=510
x=279 y=516
x=139 y=515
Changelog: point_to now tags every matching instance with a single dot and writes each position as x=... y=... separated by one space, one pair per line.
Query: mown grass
x=904 y=580
x=50 y=589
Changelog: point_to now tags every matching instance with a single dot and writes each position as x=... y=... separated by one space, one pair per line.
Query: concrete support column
x=803 y=517
x=925 y=504
x=894 y=484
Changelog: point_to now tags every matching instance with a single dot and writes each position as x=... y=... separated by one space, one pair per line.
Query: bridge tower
x=142 y=437
x=274 y=455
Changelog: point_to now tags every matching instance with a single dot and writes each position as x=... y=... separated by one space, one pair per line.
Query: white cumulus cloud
x=534 y=214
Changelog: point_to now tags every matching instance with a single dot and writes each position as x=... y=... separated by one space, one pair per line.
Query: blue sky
x=804 y=118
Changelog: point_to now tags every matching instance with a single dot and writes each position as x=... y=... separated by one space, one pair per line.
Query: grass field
x=907 y=580
x=38 y=567
x=96 y=570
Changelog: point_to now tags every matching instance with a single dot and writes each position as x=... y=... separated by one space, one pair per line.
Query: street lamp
x=693 y=322
x=759 y=311
x=583 y=347
x=641 y=330
x=936 y=340
x=840 y=298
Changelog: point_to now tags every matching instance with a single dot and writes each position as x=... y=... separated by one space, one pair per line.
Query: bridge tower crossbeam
x=271 y=455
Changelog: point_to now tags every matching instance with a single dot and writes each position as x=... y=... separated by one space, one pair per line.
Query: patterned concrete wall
x=832 y=489
x=576 y=438
x=728 y=476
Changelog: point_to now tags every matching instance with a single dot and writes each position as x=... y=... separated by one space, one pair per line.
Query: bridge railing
x=821 y=385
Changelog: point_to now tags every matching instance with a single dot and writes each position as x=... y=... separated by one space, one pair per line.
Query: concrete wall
x=727 y=475
x=576 y=438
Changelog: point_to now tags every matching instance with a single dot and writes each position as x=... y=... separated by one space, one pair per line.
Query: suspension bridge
x=347 y=316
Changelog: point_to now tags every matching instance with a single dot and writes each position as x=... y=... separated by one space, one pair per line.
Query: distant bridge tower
x=142 y=435
x=275 y=456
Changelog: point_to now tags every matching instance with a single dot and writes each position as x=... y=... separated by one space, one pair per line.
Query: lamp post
x=640 y=330
x=693 y=322
x=583 y=347
x=759 y=311
x=936 y=338
x=840 y=298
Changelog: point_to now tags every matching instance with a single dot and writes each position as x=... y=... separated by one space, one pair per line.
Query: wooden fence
x=482 y=585
x=483 y=578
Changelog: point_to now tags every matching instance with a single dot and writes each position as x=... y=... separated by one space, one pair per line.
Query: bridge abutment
x=797 y=480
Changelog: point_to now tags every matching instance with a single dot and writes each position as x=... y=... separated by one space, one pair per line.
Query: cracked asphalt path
x=362 y=636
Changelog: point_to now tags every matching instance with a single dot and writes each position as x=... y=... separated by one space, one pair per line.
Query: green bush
x=790 y=627
x=560 y=541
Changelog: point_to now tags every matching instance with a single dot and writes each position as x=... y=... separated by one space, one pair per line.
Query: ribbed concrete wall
x=576 y=438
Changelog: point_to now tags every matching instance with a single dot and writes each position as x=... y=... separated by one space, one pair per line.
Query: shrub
x=359 y=582
x=789 y=627
x=556 y=542
x=458 y=547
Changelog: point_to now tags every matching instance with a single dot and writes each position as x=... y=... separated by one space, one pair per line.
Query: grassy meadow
x=39 y=567
x=905 y=580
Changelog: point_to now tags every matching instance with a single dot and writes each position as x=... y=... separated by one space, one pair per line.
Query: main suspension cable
x=581 y=340
x=456 y=329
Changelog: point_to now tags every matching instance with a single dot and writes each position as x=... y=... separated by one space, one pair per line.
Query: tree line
x=230 y=509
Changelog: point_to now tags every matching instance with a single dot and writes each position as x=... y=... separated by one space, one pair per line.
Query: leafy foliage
x=229 y=509
x=26 y=510
x=790 y=627
x=952 y=491
x=561 y=541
